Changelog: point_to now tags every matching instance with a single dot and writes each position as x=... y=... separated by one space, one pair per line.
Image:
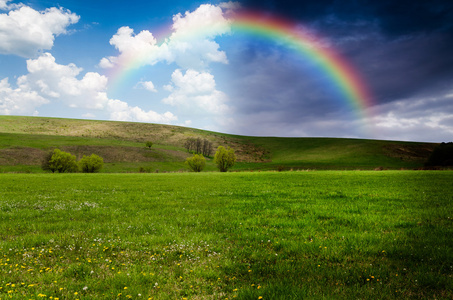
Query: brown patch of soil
x=410 y=152
x=112 y=154
x=21 y=155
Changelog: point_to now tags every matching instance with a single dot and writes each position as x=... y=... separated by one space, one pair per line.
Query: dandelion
x=260 y=297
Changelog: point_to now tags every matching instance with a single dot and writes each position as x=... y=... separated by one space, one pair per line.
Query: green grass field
x=247 y=235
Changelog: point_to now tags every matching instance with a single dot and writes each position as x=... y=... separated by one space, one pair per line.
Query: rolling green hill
x=25 y=140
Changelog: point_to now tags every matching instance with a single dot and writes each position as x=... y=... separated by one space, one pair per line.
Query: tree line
x=198 y=146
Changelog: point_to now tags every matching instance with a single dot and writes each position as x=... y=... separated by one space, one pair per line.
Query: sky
x=190 y=63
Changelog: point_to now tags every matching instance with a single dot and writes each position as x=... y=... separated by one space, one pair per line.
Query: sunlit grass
x=289 y=235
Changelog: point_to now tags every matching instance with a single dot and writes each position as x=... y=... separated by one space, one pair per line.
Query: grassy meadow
x=24 y=141
x=246 y=235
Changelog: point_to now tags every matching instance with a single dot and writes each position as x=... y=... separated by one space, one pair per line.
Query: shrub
x=441 y=156
x=60 y=161
x=45 y=164
x=224 y=158
x=145 y=170
x=149 y=144
x=196 y=163
x=91 y=164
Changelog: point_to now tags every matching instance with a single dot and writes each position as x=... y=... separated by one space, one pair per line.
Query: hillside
x=25 y=140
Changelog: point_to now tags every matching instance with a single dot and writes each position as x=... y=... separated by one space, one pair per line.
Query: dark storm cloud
x=395 y=17
x=276 y=82
x=402 y=68
x=402 y=49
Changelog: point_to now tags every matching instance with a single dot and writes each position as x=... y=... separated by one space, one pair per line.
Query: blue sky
x=58 y=59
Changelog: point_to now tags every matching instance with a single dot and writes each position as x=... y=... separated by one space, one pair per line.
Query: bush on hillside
x=196 y=163
x=91 y=164
x=442 y=156
x=224 y=158
x=59 y=161
x=45 y=164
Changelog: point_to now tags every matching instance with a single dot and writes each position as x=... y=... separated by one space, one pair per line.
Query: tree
x=45 y=164
x=224 y=158
x=91 y=164
x=207 y=147
x=149 y=144
x=441 y=156
x=189 y=144
x=198 y=146
x=62 y=162
x=196 y=163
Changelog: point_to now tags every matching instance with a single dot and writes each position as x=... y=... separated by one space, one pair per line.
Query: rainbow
x=341 y=73
x=343 y=76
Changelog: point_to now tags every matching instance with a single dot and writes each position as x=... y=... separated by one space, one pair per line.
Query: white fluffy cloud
x=147 y=85
x=25 y=31
x=48 y=81
x=121 y=111
x=196 y=92
x=191 y=44
x=5 y=6
x=18 y=101
x=52 y=80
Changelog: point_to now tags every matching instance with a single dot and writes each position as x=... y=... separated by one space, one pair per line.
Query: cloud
x=105 y=63
x=49 y=82
x=190 y=45
x=25 y=31
x=416 y=119
x=60 y=82
x=141 y=47
x=19 y=101
x=147 y=85
x=230 y=5
x=121 y=111
x=5 y=6
x=196 y=92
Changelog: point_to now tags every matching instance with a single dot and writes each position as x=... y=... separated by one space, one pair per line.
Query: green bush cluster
x=91 y=164
x=64 y=162
x=196 y=163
